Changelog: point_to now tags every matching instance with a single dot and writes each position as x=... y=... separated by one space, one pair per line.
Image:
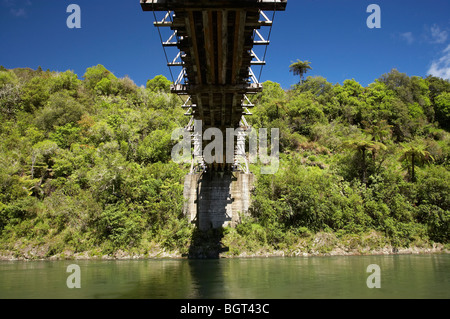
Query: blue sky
x=332 y=34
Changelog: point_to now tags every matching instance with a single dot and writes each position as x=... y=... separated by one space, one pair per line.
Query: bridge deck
x=163 y=5
x=215 y=39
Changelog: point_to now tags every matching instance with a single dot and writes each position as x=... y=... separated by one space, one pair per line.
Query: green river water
x=400 y=276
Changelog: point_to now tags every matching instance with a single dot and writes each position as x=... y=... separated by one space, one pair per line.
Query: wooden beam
x=190 y=26
x=163 y=24
x=217 y=38
x=199 y=104
x=219 y=46
x=233 y=108
x=224 y=46
x=212 y=55
x=209 y=46
x=211 y=108
x=223 y=108
x=239 y=40
x=164 y=5
x=249 y=88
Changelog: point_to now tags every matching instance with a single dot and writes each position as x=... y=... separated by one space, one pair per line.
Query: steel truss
x=170 y=40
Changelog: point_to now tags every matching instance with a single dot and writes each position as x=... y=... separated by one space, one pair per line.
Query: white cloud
x=441 y=67
x=16 y=8
x=8 y=3
x=407 y=36
x=438 y=35
x=18 y=12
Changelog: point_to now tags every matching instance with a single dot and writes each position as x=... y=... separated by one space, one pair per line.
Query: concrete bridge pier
x=217 y=199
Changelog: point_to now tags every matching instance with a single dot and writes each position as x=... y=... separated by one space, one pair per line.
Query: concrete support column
x=217 y=199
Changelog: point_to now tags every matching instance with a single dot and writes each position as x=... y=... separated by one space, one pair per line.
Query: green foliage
x=414 y=154
x=65 y=135
x=159 y=84
x=126 y=86
x=271 y=92
x=104 y=86
x=300 y=68
x=156 y=147
x=7 y=77
x=85 y=165
x=343 y=173
x=65 y=81
x=61 y=109
x=304 y=112
x=98 y=74
x=44 y=151
x=120 y=226
x=35 y=94
x=10 y=89
x=442 y=107
x=363 y=145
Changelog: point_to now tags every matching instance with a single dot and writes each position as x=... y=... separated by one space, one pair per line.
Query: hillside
x=85 y=167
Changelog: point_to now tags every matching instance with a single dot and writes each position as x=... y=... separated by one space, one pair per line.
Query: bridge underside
x=163 y=5
x=216 y=42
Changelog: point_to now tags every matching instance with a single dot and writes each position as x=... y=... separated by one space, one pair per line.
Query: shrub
x=96 y=74
x=120 y=226
x=60 y=110
x=159 y=84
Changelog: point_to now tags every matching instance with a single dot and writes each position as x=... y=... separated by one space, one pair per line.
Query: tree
x=95 y=74
x=362 y=145
x=300 y=68
x=319 y=87
x=413 y=154
x=395 y=80
x=10 y=91
x=437 y=86
x=442 y=107
x=159 y=83
x=303 y=112
x=60 y=110
x=348 y=102
x=41 y=162
x=35 y=94
x=379 y=131
x=104 y=87
x=65 y=81
x=155 y=147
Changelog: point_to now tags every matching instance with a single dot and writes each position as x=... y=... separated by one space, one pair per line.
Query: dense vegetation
x=85 y=164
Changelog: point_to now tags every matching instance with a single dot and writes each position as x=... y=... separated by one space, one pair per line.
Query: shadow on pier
x=207 y=244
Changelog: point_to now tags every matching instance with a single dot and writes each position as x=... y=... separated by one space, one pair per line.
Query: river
x=399 y=276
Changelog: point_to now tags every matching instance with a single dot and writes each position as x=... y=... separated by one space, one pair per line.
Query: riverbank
x=320 y=244
x=122 y=255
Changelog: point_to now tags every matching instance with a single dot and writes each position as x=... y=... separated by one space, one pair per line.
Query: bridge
x=214 y=44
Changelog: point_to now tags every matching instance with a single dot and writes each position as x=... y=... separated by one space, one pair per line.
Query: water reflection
x=279 y=278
